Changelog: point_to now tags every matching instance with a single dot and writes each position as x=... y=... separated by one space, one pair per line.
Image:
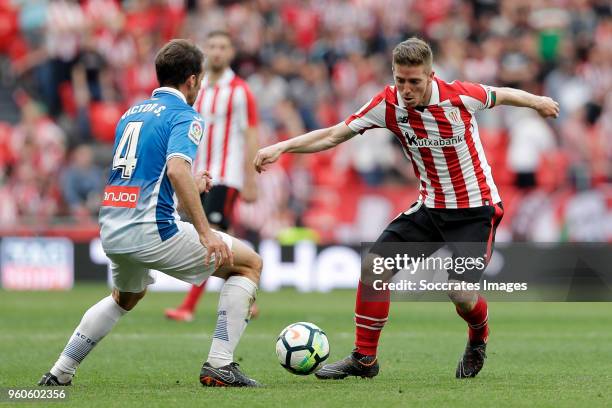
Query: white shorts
x=181 y=256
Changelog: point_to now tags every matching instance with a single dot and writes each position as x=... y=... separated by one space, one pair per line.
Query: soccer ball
x=301 y=347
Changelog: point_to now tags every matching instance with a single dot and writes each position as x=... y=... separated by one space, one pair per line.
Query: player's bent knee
x=248 y=258
x=128 y=300
x=247 y=263
x=463 y=299
x=256 y=263
x=253 y=268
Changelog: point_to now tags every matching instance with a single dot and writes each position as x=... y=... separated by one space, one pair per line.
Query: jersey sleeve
x=370 y=116
x=186 y=131
x=476 y=97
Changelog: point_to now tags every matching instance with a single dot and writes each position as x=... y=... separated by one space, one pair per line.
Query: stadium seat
x=5 y=150
x=104 y=117
x=552 y=171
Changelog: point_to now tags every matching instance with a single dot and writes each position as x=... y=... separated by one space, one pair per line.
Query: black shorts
x=218 y=205
x=467 y=232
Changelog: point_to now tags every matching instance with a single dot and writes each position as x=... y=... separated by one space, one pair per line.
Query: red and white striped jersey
x=228 y=108
x=440 y=139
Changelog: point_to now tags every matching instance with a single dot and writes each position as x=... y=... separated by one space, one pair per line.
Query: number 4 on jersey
x=125 y=155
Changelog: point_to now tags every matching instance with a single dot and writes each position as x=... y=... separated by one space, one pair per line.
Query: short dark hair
x=177 y=61
x=220 y=33
x=413 y=51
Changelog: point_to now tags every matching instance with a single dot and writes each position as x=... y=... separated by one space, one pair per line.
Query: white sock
x=95 y=324
x=233 y=314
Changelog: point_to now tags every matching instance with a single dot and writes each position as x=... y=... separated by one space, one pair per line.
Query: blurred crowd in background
x=68 y=70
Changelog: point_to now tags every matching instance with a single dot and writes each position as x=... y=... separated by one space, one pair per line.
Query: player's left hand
x=266 y=156
x=547 y=107
x=203 y=181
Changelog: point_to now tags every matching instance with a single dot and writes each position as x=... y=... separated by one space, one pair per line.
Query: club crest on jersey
x=195 y=132
x=453 y=115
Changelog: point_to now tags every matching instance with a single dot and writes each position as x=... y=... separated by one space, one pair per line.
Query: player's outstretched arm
x=545 y=106
x=179 y=173
x=311 y=142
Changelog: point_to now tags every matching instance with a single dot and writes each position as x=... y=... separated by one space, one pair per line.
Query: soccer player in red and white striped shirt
x=227 y=148
x=459 y=202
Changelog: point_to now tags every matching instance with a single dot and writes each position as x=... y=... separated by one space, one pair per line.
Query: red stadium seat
x=552 y=171
x=6 y=156
x=104 y=117
x=9 y=26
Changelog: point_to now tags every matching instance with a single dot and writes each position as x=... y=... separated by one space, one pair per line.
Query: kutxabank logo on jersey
x=413 y=140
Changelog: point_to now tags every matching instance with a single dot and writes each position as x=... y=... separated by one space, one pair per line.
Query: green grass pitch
x=540 y=354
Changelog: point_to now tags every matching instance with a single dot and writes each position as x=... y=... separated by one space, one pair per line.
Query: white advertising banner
x=37 y=263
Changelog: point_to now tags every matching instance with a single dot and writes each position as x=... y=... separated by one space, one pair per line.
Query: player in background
x=434 y=121
x=140 y=229
x=227 y=149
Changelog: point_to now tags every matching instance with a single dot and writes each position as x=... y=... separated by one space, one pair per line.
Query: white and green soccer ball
x=301 y=348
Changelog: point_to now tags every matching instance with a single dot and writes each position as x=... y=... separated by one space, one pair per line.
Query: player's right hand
x=267 y=156
x=216 y=246
x=203 y=181
x=547 y=107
